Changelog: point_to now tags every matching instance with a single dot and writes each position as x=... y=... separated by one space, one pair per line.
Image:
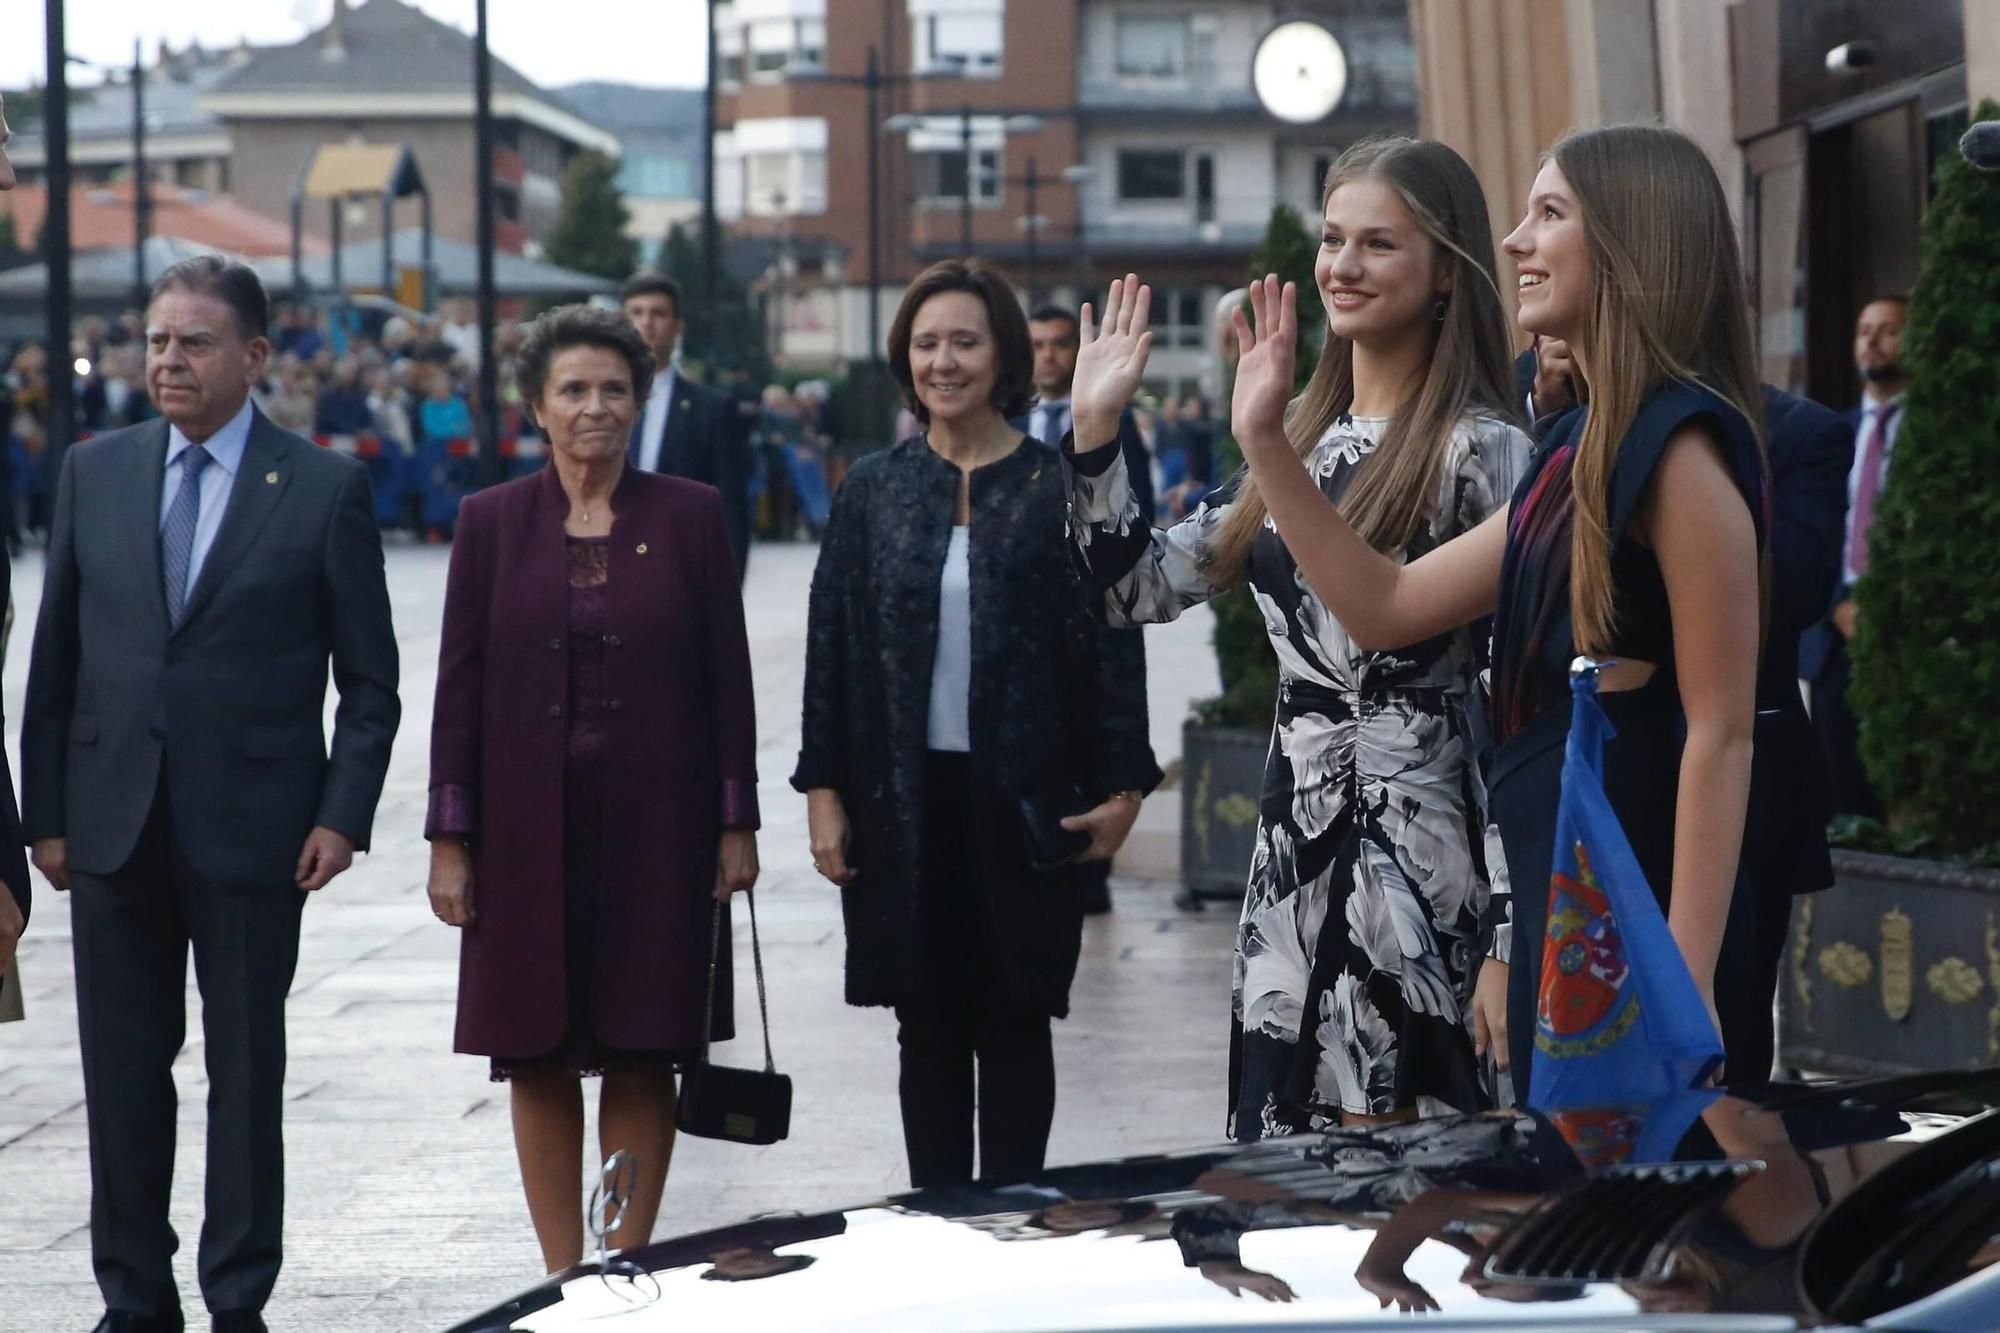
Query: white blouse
x=951 y=671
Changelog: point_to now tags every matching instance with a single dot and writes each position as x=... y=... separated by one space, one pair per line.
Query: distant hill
x=625 y=109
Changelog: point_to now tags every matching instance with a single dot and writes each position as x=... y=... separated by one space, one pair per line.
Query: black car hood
x=1694 y=1214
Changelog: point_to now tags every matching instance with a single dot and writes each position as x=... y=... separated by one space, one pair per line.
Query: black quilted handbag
x=741 y=1105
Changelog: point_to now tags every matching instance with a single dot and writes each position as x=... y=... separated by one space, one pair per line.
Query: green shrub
x=1927 y=651
x=1243 y=656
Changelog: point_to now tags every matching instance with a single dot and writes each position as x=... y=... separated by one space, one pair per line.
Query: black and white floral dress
x=1360 y=933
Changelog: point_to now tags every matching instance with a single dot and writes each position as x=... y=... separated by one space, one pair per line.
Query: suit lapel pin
x=642 y=548
x=682 y=403
x=270 y=479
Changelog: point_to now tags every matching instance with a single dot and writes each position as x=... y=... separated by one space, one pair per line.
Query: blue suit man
x=1871 y=430
x=1053 y=331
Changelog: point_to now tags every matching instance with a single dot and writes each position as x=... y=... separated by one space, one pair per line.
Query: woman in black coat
x=956 y=703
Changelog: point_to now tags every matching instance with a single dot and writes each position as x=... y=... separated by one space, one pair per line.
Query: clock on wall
x=1300 y=72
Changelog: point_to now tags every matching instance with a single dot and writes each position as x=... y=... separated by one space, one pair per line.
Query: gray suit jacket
x=227 y=708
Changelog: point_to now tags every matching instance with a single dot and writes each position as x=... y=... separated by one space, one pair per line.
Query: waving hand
x=1109 y=361
x=1267 y=352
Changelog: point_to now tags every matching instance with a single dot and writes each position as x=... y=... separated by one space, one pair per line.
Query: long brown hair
x=1666 y=299
x=1395 y=488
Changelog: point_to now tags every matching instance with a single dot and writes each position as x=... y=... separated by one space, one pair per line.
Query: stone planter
x=1222 y=780
x=1895 y=968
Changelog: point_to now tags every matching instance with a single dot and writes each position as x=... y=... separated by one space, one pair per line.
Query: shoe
x=238 y=1321
x=124 y=1321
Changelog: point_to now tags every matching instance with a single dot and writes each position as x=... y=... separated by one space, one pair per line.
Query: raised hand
x=1109 y=361
x=1267 y=352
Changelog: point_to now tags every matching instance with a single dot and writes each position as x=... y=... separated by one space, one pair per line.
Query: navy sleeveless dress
x=1533 y=645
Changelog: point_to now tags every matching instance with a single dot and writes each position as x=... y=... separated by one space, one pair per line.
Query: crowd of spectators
x=407 y=390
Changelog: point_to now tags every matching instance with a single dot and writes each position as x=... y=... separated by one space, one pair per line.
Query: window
x=940 y=176
x=1152 y=46
x=1151 y=175
x=962 y=40
x=730 y=61
x=784 y=184
x=782 y=46
x=811 y=44
x=771 y=167
x=1184 y=316
x=656 y=176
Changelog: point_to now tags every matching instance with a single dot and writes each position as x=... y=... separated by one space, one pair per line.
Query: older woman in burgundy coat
x=593 y=783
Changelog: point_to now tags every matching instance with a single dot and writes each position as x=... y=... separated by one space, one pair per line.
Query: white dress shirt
x=1871 y=407
x=225 y=458
x=951 y=669
x=653 y=426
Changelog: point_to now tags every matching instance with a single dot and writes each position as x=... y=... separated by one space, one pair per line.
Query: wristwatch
x=1135 y=797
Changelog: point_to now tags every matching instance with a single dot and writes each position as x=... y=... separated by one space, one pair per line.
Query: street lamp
x=1033 y=223
x=492 y=467
x=1020 y=124
x=142 y=198
x=55 y=230
x=1080 y=175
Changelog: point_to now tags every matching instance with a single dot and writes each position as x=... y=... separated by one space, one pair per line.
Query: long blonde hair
x=1666 y=299
x=1395 y=488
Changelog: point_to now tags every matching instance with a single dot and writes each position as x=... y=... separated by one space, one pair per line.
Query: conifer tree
x=1927 y=648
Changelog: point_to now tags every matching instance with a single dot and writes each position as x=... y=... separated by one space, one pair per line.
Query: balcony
x=509 y=167
x=1103 y=88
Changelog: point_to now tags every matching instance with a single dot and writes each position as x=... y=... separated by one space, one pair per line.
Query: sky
x=553 y=42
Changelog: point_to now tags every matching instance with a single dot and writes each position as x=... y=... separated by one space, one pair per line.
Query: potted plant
x=1898 y=965
x=1225 y=739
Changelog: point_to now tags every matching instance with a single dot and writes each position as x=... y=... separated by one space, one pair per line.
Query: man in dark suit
x=1791 y=790
x=202 y=572
x=1872 y=428
x=688 y=430
x=1053 y=332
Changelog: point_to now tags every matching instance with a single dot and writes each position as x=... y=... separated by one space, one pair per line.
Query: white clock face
x=1300 y=72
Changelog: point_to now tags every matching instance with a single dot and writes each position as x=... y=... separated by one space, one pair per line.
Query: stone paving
x=404 y=1207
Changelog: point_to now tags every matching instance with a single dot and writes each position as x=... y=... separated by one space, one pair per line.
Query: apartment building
x=1092 y=134
x=1825 y=119
x=1184 y=163
x=244 y=121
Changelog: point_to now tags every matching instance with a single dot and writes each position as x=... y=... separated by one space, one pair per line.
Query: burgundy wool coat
x=681 y=764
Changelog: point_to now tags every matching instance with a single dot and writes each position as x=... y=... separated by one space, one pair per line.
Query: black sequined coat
x=1049 y=708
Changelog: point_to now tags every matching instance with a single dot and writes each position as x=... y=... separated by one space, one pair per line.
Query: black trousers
x=133 y=931
x=1840 y=733
x=964 y=1023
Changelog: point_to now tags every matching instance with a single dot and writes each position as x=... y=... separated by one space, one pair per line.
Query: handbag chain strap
x=714 y=968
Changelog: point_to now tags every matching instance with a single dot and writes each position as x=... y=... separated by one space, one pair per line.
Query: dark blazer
x=1822 y=649
x=705 y=443
x=1791 y=796
x=681 y=764
x=13 y=858
x=1047 y=710
x=227 y=708
x=1138 y=463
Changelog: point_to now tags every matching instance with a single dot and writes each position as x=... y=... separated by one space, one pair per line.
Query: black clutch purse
x=1050 y=845
x=740 y=1105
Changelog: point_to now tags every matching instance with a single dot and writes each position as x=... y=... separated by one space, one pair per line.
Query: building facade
x=383 y=72
x=246 y=121
x=1825 y=120
x=1065 y=139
